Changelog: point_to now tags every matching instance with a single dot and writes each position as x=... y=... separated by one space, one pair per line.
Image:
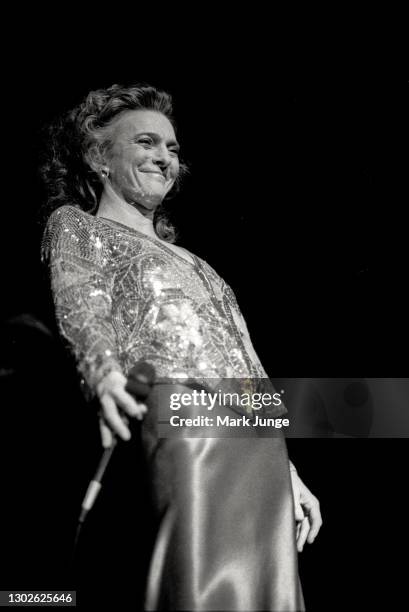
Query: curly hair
x=77 y=142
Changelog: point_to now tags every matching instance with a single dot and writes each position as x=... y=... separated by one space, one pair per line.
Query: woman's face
x=143 y=160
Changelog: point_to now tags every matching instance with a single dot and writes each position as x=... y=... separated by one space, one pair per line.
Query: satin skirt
x=226 y=530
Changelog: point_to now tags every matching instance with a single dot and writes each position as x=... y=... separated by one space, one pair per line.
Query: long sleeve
x=78 y=259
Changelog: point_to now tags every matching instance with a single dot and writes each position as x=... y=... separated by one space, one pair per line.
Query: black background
x=295 y=138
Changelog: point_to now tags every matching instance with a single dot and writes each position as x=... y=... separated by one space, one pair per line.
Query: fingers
x=106 y=434
x=299 y=518
x=116 y=405
x=113 y=419
x=128 y=404
x=303 y=533
x=312 y=510
x=298 y=511
x=302 y=528
x=307 y=513
x=297 y=530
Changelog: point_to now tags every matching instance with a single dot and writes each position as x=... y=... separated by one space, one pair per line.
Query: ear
x=96 y=161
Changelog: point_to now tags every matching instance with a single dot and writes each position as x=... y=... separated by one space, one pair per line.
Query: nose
x=162 y=156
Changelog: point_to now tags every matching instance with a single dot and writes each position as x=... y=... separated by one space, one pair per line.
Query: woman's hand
x=307 y=512
x=116 y=405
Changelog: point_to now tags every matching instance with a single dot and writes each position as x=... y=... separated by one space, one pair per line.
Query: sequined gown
x=226 y=539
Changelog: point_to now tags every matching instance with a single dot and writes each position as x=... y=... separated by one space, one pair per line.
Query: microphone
x=141 y=379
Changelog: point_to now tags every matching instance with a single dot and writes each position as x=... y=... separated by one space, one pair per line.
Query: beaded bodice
x=121 y=296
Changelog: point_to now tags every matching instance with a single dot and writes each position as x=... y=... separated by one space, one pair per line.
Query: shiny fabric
x=226 y=539
x=226 y=535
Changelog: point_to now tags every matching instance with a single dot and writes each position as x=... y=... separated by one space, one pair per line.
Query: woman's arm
x=78 y=259
x=80 y=284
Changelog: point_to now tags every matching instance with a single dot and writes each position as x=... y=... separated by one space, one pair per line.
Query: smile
x=158 y=174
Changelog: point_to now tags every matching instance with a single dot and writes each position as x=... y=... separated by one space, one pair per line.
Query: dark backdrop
x=296 y=198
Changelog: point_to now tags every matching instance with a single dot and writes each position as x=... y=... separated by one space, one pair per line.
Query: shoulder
x=209 y=270
x=68 y=228
x=69 y=217
x=213 y=275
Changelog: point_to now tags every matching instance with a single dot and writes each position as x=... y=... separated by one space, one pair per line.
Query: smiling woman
x=110 y=143
x=231 y=513
x=142 y=162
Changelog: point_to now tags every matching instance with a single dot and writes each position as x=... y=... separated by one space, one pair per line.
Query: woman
x=124 y=291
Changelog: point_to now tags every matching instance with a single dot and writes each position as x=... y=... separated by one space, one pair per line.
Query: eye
x=145 y=141
x=174 y=151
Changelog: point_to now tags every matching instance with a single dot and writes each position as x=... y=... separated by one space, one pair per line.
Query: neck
x=112 y=206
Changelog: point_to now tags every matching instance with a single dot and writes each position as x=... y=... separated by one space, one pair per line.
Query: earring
x=104 y=173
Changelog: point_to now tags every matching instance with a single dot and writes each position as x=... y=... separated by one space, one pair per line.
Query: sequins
x=125 y=297
x=157 y=287
x=96 y=240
